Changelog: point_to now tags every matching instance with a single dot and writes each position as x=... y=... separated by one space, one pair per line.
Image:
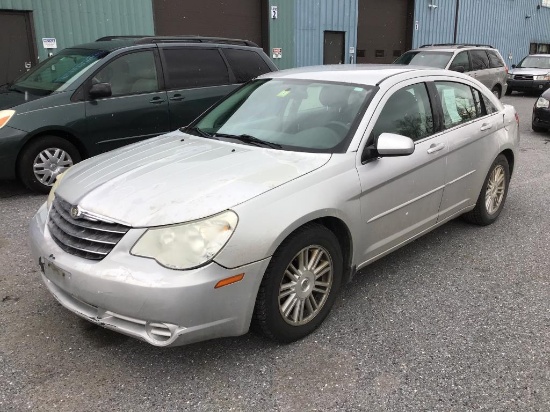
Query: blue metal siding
x=313 y=17
x=281 y=32
x=80 y=21
x=500 y=23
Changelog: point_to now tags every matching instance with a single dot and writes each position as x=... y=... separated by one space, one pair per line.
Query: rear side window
x=494 y=59
x=190 y=68
x=461 y=60
x=246 y=64
x=459 y=105
x=480 y=61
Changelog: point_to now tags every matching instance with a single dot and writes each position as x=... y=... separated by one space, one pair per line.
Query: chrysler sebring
x=256 y=213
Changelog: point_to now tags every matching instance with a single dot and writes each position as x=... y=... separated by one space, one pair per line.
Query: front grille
x=523 y=77
x=84 y=237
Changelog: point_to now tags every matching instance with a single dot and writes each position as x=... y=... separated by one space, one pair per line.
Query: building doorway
x=17 y=48
x=334 y=51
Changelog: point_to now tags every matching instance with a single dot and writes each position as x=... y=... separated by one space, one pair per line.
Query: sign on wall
x=274 y=12
x=277 y=52
x=49 y=42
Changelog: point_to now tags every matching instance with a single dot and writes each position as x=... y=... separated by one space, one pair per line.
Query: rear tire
x=497 y=92
x=43 y=159
x=493 y=194
x=300 y=284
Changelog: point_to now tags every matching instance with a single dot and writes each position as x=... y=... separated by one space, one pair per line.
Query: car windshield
x=535 y=62
x=301 y=115
x=425 y=58
x=57 y=71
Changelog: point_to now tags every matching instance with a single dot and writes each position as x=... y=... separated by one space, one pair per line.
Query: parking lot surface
x=457 y=320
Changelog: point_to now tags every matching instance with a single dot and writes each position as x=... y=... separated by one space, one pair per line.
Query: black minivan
x=95 y=97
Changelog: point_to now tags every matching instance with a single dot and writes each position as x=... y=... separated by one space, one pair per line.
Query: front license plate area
x=53 y=272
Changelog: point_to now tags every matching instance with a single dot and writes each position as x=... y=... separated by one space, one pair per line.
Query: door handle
x=436 y=147
x=486 y=126
x=156 y=100
x=177 y=98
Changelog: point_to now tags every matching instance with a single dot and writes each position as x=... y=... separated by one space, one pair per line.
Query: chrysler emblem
x=75 y=212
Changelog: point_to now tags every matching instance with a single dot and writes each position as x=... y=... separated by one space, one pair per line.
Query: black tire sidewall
x=313 y=235
x=483 y=214
x=31 y=150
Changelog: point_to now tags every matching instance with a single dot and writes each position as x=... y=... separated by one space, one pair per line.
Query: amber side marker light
x=229 y=280
x=5 y=116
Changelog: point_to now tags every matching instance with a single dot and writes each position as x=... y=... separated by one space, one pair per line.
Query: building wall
x=282 y=33
x=80 y=21
x=313 y=17
x=299 y=29
x=500 y=23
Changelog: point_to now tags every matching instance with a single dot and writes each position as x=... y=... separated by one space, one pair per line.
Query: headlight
x=51 y=196
x=5 y=116
x=542 y=77
x=510 y=76
x=542 y=103
x=187 y=245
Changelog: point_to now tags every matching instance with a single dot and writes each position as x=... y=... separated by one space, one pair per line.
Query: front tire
x=43 y=159
x=300 y=284
x=493 y=194
x=538 y=129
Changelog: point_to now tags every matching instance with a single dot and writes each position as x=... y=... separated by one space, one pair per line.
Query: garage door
x=242 y=19
x=384 y=30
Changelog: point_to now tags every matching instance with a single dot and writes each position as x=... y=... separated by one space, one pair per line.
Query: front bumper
x=541 y=117
x=137 y=297
x=11 y=142
x=528 y=85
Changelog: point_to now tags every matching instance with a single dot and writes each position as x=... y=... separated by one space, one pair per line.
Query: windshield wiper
x=199 y=131
x=246 y=138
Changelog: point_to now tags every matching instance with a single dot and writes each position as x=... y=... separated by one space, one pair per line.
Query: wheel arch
x=509 y=154
x=58 y=132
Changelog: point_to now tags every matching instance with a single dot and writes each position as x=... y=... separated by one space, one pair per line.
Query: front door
x=401 y=195
x=137 y=109
x=334 y=47
x=16 y=48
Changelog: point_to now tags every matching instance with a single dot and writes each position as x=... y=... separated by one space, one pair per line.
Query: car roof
x=539 y=55
x=368 y=74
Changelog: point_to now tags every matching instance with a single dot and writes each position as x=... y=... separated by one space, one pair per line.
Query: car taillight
x=517 y=118
x=506 y=68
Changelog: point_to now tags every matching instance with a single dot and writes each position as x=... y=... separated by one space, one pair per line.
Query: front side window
x=193 y=67
x=480 y=61
x=132 y=73
x=408 y=113
x=425 y=58
x=303 y=115
x=461 y=62
x=459 y=105
x=57 y=71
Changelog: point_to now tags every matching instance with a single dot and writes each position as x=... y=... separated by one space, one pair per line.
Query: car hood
x=9 y=98
x=529 y=70
x=177 y=178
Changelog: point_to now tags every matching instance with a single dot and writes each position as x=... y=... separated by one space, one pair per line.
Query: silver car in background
x=531 y=75
x=483 y=63
x=263 y=207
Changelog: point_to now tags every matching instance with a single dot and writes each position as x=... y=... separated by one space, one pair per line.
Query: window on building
x=545 y=3
x=542 y=48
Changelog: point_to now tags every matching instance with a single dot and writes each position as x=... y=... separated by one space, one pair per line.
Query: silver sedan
x=258 y=212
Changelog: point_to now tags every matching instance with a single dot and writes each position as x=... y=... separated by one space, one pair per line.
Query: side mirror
x=390 y=144
x=100 y=90
x=514 y=66
x=459 y=69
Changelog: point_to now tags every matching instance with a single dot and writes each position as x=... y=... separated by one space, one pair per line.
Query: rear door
x=196 y=78
x=480 y=67
x=472 y=125
x=137 y=109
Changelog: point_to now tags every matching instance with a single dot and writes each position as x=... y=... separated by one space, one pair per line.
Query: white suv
x=483 y=63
